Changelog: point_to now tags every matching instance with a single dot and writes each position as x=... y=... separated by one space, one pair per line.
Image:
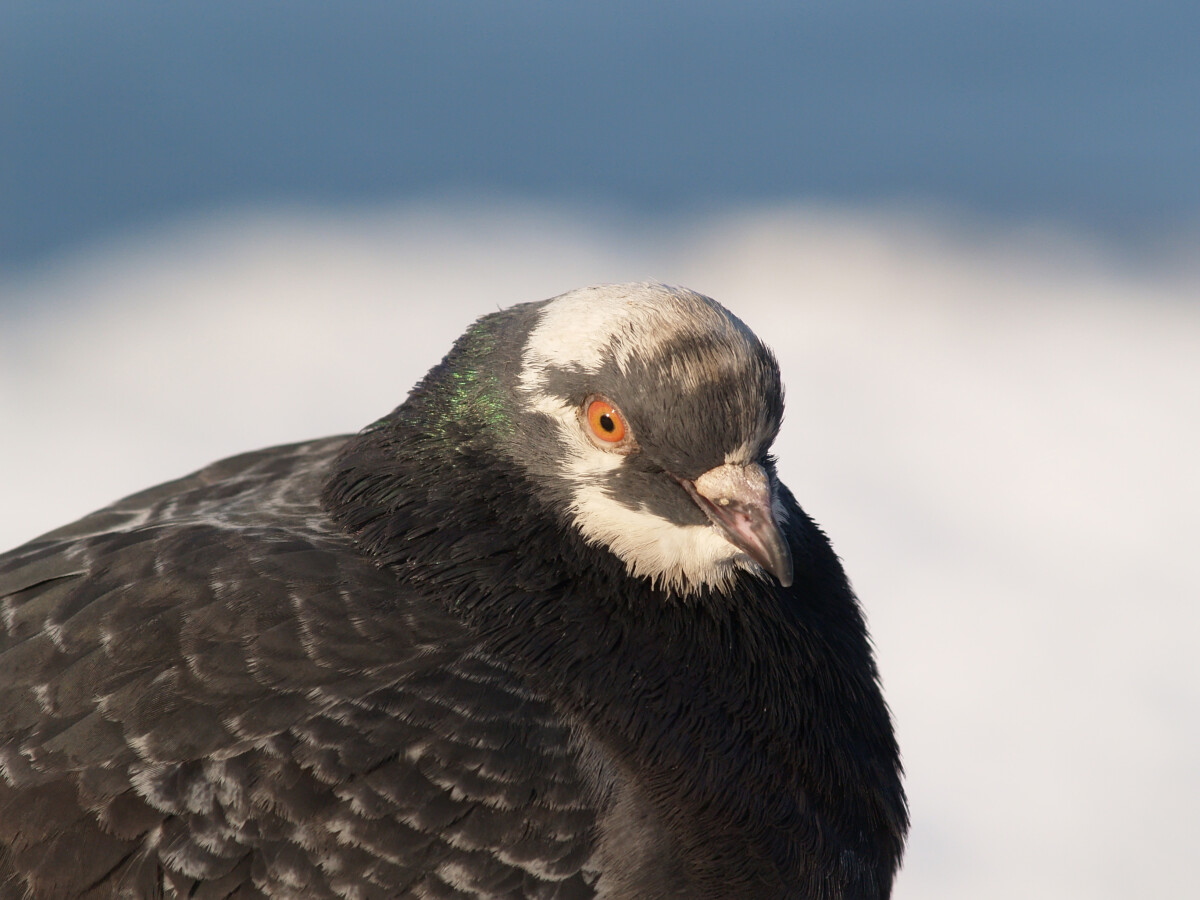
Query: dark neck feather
x=758 y=714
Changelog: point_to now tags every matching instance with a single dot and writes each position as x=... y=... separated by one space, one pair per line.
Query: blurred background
x=971 y=232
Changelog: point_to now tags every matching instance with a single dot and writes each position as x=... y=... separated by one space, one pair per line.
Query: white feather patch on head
x=681 y=558
x=585 y=329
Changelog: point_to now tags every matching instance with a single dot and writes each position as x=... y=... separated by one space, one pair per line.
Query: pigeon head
x=641 y=415
x=656 y=409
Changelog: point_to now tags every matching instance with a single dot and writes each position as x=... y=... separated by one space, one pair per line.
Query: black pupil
x=607 y=423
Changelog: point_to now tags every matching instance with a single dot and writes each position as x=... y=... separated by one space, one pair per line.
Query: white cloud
x=999 y=432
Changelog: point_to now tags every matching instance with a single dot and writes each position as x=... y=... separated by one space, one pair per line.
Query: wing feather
x=205 y=691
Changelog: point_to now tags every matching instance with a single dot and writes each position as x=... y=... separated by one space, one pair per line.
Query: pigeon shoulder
x=204 y=687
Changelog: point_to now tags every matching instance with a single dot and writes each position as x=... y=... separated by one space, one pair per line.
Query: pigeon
x=553 y=628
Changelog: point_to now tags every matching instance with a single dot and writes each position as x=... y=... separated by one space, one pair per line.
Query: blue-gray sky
x=116 y=116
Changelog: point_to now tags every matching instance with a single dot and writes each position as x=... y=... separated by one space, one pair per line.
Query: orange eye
x=605 y=421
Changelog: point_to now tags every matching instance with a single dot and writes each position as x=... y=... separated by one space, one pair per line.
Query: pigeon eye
x=605 y=421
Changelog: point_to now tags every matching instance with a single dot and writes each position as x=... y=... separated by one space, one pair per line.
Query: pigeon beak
x=738 y=501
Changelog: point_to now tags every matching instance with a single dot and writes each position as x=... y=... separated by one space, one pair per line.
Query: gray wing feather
x=205 y=692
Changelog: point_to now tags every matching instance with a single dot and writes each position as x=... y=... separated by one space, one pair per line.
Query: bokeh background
x=970 y=230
